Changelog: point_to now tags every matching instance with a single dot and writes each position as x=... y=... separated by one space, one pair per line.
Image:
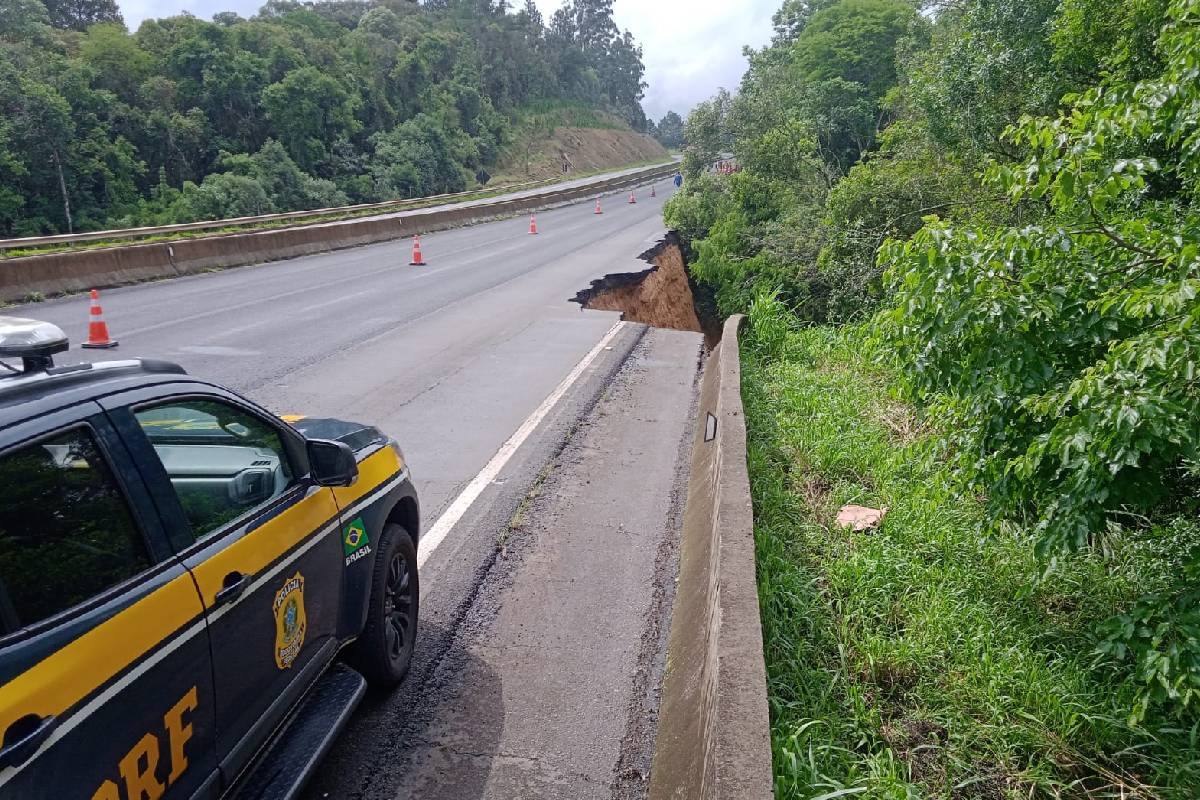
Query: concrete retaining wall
x=80 y=270
x=713 y=731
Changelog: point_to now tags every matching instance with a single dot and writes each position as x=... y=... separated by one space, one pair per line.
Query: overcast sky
x=692 y=47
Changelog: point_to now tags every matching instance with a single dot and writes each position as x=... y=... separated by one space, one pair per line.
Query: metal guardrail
x=78 y=269
x=184 y=227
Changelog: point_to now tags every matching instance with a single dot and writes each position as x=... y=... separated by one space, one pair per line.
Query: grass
x=533 y=148
x=550 y=114
x=573 y=176
x=926 y=658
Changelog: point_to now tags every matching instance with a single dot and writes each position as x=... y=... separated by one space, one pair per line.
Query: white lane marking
x=339 y=299
x=455 y=511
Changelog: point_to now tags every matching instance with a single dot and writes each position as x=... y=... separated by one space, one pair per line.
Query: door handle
x=17 y=753
x=234 y=584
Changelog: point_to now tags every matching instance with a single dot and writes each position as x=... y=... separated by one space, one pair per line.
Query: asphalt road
x=545 y=600
x=449 y=358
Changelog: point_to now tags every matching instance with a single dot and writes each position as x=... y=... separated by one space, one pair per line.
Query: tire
x=384 y=650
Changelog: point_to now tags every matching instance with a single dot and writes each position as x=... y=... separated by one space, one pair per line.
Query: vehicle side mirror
x=331 y=463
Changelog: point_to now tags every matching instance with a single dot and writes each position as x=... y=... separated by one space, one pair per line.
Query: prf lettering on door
x=139 y=767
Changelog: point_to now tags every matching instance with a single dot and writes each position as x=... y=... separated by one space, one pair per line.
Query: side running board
x=281 y=770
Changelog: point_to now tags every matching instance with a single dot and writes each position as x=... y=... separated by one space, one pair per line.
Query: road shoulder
x=561 y=698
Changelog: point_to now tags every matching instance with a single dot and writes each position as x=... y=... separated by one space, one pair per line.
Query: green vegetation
x=305 y=105
x=546 y=116
x=925 y=659
x=496 y=188
x=975 y=223
x=668 y=131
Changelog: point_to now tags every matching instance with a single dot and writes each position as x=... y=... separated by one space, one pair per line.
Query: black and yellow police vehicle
x=193 y=592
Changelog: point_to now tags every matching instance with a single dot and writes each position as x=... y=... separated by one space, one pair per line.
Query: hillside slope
x=583 y=140
x=315 y=105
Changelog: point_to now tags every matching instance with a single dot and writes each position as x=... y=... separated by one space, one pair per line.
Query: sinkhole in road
x=663 y=296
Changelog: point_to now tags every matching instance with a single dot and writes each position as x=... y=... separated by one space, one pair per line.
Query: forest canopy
x=304 y=105
x=979 y=219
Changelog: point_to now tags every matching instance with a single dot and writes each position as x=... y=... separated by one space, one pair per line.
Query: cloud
x=691 y=48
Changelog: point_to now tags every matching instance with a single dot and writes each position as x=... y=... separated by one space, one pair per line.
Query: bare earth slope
x=583 y=150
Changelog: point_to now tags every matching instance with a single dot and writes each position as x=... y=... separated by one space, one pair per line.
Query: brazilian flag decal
x=356 y=537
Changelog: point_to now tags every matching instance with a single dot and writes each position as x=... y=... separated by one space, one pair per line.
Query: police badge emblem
x=290 y=622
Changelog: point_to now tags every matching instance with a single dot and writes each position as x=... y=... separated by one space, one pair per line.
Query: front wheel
x=384 y=650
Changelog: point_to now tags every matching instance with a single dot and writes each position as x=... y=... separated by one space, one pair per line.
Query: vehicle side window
x=222 y=461
x=66 y=532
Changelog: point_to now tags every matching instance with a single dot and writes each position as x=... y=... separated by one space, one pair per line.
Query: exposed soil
x=582 y=150
x=919 y=742
x=662 y=296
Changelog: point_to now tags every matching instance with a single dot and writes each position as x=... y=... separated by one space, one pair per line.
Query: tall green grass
x=550 y=114
x=927 y=658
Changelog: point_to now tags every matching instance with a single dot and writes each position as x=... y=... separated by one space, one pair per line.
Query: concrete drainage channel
x=713 y=737
x=714 y=732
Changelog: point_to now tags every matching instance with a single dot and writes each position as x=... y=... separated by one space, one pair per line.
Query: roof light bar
x=31 y=340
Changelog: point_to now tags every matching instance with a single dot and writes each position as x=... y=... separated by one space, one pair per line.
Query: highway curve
x=546 y=585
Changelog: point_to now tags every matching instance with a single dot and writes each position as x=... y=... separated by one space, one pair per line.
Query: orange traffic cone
x=97 y=327
x=532 y=224
x=417 y=259
x=653 y=193
x=597 y=211
x=632 y=199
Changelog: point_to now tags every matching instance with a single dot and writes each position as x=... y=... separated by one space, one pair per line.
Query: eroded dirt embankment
x=577 y=150
x=662 y=296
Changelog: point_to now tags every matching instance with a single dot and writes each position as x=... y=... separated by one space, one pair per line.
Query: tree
x=706 y=134
x=23 y=20
x=224 y=195
x=11 y=171
x=669 y=131
x=100 y=127
x=41 y=123
x=419 y=157
x=846 y=60
x=120 y=65
x=1094 y=303
x=79 y=15
x=594 y=28
x=792 y=17
x=988 y=64
x=855 y=40
x=285 y=184
x=591 y=50
x=310 y=110
x=383 y=22
x=534 y=16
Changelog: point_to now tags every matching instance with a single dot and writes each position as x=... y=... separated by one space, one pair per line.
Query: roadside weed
x=929 y=657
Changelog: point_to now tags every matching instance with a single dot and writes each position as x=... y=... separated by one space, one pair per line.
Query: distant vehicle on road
x=179 y=571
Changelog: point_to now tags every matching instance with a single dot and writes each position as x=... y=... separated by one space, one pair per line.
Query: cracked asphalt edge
x=632 y=771
x=441 y=669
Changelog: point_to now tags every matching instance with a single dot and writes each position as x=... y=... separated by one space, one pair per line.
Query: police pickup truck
x=179 y=572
